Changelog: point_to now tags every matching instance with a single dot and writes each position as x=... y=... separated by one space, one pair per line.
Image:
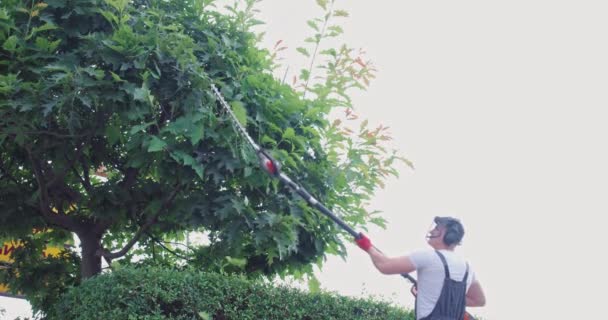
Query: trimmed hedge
x=153 y=293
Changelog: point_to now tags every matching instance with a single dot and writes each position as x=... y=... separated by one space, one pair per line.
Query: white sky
x=501 y=106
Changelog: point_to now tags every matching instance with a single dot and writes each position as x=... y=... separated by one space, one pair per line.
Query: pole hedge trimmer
x=273 y=168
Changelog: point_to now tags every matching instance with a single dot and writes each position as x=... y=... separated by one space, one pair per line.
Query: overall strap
x=445 y=264
x=466 y=274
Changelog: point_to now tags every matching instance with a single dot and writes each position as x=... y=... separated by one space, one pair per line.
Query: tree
x=109 y=130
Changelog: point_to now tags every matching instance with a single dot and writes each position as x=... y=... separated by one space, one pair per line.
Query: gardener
x=446 y=283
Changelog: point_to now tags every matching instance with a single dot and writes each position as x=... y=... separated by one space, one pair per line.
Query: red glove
x=363 y=242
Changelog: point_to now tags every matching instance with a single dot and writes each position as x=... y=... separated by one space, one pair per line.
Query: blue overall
x=451 y=302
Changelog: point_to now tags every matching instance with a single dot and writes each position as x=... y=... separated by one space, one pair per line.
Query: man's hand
x=363 y=242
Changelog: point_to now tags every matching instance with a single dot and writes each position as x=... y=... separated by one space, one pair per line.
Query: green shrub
x=153 y=293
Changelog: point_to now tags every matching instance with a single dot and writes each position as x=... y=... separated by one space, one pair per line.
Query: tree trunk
x=90 y=242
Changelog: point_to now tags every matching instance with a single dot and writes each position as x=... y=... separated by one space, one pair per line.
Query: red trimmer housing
x=269 y=164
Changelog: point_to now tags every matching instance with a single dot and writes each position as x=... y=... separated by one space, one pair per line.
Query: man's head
x=447 y=232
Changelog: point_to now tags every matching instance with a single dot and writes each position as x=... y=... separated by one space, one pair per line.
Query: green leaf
x=48 y=107
x=113 y=134
x=119 y=5
x=187 y=160
x=204 y=315
x=322 y=4
x=197 y=134
x=98 y=74
x=240 y=112
x=116 y=77
x=335 y=30
x=186 y=126
x=154 y=205
x=363 y=125
x=246 y=172
x=10 y=44
x=46 y=45
x=112 y=18
x=181 y=125
x=268 y=140
x=156 y=144
x=379 y=221
x=313 y=25
x=44 y=27
x=141 y=94
x=240 y=263
x=141 y=127
x=289 y=134
x=255 y=22
x=310 y=40
x=340 y=13
x=3 y=14
x=314 y=286
x=2 y=138
x=20 y=139
x=178 y=156
x=329 y=52
x=200 y=171
x=303 y=51
x=8 y=83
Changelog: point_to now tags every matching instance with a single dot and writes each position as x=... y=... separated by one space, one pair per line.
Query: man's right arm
x=475 y=296
x=383 y=263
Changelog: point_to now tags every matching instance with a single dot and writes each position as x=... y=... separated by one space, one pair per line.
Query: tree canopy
x=109 y=130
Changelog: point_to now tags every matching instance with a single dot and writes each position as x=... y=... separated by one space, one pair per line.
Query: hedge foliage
x=154 y=293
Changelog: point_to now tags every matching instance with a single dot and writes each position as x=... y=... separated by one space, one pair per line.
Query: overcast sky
x=501 y=105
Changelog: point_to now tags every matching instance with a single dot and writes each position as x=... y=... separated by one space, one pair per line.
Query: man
x=446 y=283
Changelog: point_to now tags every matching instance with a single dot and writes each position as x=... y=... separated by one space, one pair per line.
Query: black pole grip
x=337 y=220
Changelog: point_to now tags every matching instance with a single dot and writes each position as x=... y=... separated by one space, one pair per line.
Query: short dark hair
x=454 y=230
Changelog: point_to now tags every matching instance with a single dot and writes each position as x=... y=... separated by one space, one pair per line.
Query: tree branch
x=86 y=183
x=60 y=176
x=143 y=228
x=58 y=135
x=317 y=45
x=44 y=203
x=130 y=177
x=5 y=173
x=48 y=133
x=85 y=174
x=160 y=243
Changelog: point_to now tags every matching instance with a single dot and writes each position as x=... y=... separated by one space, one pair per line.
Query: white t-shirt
x=431 y=275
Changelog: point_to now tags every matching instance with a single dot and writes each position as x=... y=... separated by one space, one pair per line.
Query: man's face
x=434 y=236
